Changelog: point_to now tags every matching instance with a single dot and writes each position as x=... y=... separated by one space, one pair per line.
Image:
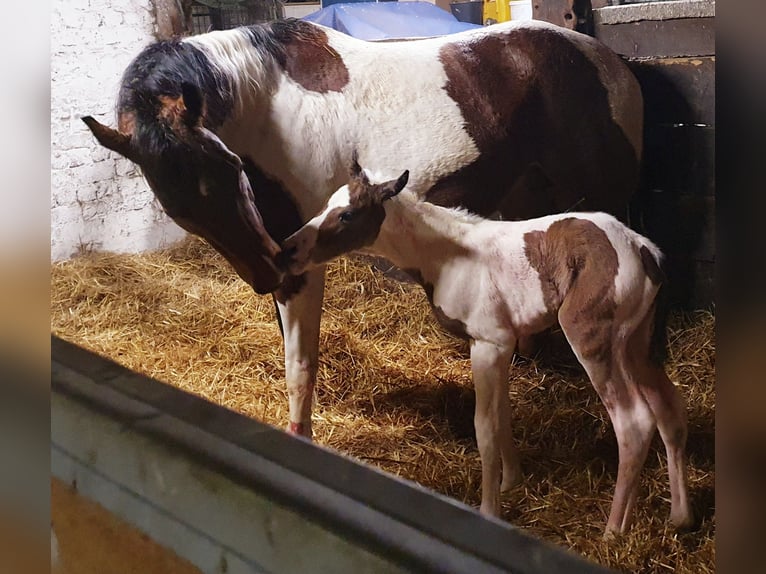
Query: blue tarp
x=386 y=20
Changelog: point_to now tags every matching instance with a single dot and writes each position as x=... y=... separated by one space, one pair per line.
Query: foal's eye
x=346 y=216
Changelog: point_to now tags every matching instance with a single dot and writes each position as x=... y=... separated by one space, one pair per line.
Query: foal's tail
x=651 y=259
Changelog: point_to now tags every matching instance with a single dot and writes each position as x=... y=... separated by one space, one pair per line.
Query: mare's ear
x=393 y=187
x=194 y=103
x=111 y=139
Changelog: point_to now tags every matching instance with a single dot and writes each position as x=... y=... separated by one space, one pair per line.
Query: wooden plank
x=677 y=90
x=683 y=226
x=680 y=224
x=691 y=283
x=92 y=540
x=701 y=295
x=638 y=10
x=660 y=38
x=680 y=159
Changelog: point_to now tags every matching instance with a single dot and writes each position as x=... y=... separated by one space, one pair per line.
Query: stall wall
x=99 y=201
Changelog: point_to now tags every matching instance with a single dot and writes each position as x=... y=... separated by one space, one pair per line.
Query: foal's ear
x=356 y=169
x=391 y=188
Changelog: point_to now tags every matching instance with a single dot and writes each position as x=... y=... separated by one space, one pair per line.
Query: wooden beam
x=677 y=90
x=571 y=14
x=660 y=38
x=173 y=18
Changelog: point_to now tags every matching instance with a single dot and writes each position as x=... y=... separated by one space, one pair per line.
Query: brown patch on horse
x=540 y=152
x=536 y=252
x=570 y=275
x=281 y=217
x=291 y=286
x=172 y=108
x=278 y=209
x=126 y=122
x=310 y=60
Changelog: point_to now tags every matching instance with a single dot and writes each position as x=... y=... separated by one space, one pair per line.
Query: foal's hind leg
x=669 y=410
x=633 y=421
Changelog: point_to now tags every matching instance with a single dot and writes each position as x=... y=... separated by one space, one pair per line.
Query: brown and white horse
x=243 y=134
x=492 y=282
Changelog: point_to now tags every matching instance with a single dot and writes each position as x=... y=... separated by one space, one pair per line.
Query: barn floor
x=395 y=391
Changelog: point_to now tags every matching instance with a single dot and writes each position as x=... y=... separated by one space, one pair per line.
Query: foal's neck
x=421 y=236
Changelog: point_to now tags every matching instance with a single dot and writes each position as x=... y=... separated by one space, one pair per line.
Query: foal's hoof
x=299 y=429
x=683 y=523
x=610 y=535
x=511 y=480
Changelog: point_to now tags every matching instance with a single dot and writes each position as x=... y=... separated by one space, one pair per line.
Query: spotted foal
x=495 y=281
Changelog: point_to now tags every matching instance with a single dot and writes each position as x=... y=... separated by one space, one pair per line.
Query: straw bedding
x=395 y=391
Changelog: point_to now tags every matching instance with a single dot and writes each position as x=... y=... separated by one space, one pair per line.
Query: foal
x=493 y=282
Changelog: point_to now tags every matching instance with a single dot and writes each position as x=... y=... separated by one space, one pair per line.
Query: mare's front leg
x=492 y=420
x=300 y=309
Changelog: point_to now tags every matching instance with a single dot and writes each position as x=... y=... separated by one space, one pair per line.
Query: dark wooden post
x=670 y=46
x=571 y=14
x=173 y=18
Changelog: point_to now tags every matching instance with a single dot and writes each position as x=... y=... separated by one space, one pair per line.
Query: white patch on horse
x=383 y=97
x=233 y=56
x=339 y=199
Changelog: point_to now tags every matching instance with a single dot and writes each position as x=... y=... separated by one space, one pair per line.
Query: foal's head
x=350 y=220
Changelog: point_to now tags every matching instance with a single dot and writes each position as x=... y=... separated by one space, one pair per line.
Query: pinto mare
x=243 y=134
x=492 y=282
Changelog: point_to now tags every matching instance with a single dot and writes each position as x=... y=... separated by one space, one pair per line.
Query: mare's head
x=350 y=220
x=169 y=101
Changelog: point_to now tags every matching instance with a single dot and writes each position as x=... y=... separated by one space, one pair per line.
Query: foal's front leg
x=492 y=419
x=300 y=314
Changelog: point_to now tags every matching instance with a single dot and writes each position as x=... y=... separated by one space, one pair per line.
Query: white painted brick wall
x=99 y=200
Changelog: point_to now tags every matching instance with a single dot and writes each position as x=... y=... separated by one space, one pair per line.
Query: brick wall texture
x=99 y=201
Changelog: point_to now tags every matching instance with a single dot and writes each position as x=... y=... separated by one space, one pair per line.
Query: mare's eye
x=346 y=216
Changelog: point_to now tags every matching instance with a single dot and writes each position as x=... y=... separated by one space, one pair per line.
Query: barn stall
x=394 y=391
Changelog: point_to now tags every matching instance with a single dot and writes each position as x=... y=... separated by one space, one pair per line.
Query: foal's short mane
x=457 y=213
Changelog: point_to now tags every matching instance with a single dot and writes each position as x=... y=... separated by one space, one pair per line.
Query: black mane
x=275 y=36
x=161 y=69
